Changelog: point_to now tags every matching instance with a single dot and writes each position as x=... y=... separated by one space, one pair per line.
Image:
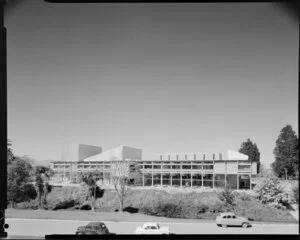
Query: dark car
x=93 y=228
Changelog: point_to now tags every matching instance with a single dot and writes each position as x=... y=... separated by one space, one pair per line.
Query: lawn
x=92 y=216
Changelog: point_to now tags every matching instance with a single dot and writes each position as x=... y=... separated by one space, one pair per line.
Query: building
x=171 y=169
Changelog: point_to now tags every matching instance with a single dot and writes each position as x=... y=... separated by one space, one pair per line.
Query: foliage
x=32 y=204
x=10 y=155
x=296 y=194
x=90 y=181
x=286 y=153
x=249 y=148
x=270 y=193
x=135 y=175
x=19 y=180
x=227 y=197
x=195 y=205
x=42 y=175
x=120 y=174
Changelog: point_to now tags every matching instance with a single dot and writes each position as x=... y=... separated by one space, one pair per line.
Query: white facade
x=118 y=153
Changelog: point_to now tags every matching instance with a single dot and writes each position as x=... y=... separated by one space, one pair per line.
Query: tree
x=42 y=175
x=19 y=187
x=119 y=173
x=249 y=148
x=286 y=153
x=227 y=197
x=135 y=174
x=270 y=192
x=90 y=179
x=10 y=155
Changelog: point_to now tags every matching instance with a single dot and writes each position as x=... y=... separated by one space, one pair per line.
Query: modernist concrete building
x=175 y=170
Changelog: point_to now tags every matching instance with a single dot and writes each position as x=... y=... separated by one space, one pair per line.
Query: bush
x=270 y=193
x=296 y=194
x=227 y=197
x=33 y=204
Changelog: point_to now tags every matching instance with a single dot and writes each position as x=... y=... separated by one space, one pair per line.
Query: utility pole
x=3 y=122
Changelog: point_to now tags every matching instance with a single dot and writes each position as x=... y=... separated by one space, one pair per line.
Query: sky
x=177 y=77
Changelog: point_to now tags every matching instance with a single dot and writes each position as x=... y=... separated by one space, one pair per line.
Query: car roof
x=95 y=223
x=228 y=213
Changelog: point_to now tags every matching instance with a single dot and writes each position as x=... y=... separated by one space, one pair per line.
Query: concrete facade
x=175 y=170
x=79 y=152
x=118 y=153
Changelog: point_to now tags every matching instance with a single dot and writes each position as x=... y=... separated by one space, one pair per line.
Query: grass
x=91 y=216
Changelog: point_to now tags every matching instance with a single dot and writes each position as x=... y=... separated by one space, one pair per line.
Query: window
x=228 y=216
x=233 y=216
x=224 y=217
x=153 y=228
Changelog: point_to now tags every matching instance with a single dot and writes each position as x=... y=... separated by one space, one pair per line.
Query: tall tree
x=19 y=186
x=119 y=172
x=42 y=176
x=90 y=179
x=249 y=148
x=286 y=153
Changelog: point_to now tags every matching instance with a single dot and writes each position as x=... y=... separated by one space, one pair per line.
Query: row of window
x=195 y=157
x=206 y=167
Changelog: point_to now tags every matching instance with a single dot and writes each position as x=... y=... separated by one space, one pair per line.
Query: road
x=40 y=228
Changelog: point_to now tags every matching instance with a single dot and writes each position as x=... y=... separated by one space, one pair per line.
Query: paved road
x=40 y=228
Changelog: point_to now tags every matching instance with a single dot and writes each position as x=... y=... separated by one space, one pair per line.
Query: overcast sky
x=161 y=77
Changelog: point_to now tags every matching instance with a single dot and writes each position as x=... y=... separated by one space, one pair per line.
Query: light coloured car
x=150 y=228
x=230 y=219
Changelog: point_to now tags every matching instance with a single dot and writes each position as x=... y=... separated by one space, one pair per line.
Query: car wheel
x=224 y=225
x=245 y=225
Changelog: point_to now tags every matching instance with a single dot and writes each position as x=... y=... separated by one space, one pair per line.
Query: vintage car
x=152 y=228
x=229 y=219
x=93 y=228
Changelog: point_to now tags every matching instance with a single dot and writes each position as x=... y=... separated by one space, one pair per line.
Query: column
x=250 y=175
x=225 y=174
x=161 y=179
x=171 y=179
x=237 y=177
x=202 y=179
x=213 y=180
x=143 y=179
x=152 y=179
x=191 y=180
x=181 y=179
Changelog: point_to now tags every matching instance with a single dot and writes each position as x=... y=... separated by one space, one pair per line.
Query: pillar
x=143 y=179
x=237 y=177
x=161 y=179
x=202 y=179
x=213 y=180
x=180 y=179
x=225 y=174
x=191 y=180
x=152 y=179
x=171 y=179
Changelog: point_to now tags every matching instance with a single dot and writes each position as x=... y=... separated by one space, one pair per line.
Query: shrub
x=227 y=197
x=269 y=192
x=32 y=204
x=296 y=194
